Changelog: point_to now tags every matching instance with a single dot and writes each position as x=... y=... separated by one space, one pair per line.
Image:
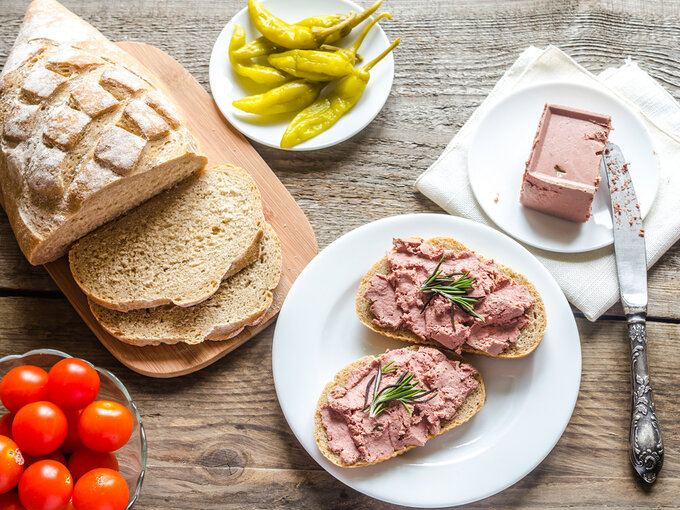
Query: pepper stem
x=355 y=47
x=364 y=15
x=377 y=59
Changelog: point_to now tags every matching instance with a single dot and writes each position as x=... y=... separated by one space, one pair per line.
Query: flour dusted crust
x=471 y=405
x=530 y=335
x=86 y=132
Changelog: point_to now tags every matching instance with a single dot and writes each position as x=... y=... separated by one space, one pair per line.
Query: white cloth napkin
x=588 y=279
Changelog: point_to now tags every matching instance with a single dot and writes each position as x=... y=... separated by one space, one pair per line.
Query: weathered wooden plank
x=217 y=438
x=15 y=271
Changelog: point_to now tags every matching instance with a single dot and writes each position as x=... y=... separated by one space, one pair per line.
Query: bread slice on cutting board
x=177 y=247
x=86 y=133
x=470 y=406
x=240 y=301
x=530 y=335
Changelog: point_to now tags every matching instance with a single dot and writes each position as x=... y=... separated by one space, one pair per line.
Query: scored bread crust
x=470 y=406
x=530 y=335
x=142 y=261
x=217 y=318
x=87 y=133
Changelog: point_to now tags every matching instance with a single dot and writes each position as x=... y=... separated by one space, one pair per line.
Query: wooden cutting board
x=222 y=144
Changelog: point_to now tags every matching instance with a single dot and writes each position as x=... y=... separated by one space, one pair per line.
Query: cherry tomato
x=101 y=489
x=10 y=501
x=72 y=441
x=39 y=428
x=105 y=426
x=72 y=384
x=11 y=464
x=23 y=385
x=58 y=456
x=6 y=425
x=84 y=460
x=46 y=485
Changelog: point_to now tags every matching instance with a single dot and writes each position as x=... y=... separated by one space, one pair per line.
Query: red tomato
x=101 y=489
x=105 y=426
x=58 y=456
x=11 y=464
x=72 y=441
x=84 y=460
x=46 y=485
x=39 y=428
x=6 y=425
x=72 y=384
x=10 y=501
x=23 y=385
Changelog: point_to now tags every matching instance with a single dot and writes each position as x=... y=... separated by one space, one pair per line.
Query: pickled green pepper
x=325 y=112
x=320 y=21
x=289 y=97
x=265 y=75
x=292 y=36
x=319 y=65
x=262 y=46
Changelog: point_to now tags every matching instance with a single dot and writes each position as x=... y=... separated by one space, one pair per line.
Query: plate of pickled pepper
x=302 y=75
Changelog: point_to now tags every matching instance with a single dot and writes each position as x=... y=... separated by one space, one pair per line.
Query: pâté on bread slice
x=530 y=335
x=469 y=407
x=86 y=133
x=241 y=300
x=177 y=247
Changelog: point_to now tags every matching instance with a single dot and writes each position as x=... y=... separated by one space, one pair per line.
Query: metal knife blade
x=646 y=442
x=629 y=236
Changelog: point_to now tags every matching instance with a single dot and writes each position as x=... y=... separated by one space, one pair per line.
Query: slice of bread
x=176 y=248
x=241 y=301
x=530 y=335
x=471 y=405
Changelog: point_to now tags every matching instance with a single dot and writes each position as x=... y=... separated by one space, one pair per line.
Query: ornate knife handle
x=645 y=434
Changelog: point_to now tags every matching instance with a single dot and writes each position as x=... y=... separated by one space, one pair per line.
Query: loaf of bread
x=240 y=301
x=177 y=247
x=87 y=133
x=530 y=335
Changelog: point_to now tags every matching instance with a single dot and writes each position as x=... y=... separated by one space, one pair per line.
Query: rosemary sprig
x=452 y=288
x=404 y=391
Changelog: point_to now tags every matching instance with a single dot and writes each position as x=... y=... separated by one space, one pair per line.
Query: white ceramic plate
x=529 y=400
x=500 y=148
x=227 y=86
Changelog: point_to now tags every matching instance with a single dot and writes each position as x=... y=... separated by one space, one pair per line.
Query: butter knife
x=646 y=443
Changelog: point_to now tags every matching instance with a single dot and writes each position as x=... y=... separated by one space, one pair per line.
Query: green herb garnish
x=404 y=391
x=452 y=288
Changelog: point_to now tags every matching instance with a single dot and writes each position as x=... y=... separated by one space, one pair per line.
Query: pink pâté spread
x=396 y=300
x=355 y=436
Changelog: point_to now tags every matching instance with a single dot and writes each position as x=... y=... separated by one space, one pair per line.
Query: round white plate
x=500 y=148
x=227 y=86
x=529 y=400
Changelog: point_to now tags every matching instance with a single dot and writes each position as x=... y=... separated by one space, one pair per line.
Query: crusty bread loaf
x=241 y=301
x=471 y=405
x=177 y=247
x=86 y=133
x=530 y=335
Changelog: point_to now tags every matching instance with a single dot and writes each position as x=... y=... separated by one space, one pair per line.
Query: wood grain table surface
x=217 y=438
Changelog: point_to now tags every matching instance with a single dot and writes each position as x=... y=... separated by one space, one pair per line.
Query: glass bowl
x=132 y=456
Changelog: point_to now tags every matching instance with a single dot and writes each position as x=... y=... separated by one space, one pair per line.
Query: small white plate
x=226 y=86
x=529 y=400
x=500 y=148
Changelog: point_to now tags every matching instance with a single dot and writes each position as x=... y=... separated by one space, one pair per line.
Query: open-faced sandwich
x=379 y=407
x=440 y=293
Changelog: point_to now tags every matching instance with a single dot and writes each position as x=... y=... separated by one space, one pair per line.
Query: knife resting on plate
x=631 y=264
